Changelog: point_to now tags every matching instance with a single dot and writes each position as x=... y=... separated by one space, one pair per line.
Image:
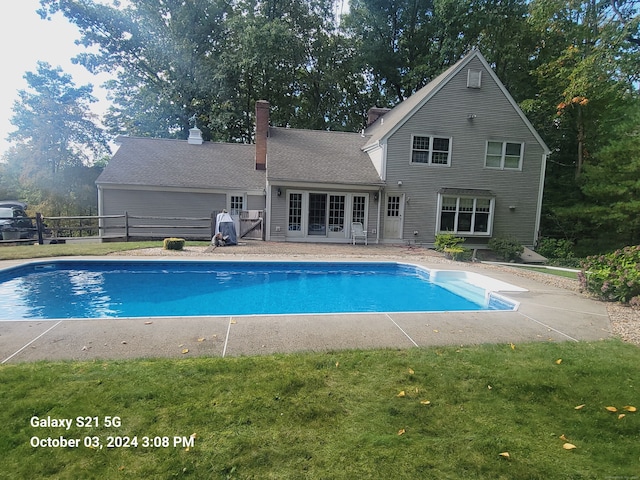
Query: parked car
x=14 y=222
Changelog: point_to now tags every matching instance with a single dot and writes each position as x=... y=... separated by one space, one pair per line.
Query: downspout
x=379 y=213
x=100 y=211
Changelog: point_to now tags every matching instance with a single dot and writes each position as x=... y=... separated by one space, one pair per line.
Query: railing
x=127 y=226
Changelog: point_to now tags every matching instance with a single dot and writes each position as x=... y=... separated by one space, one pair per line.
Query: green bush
x=506 y=248
x=555 y=248
x=614 y=276
x=449 y=244
x=173 y=243
x=447 y=240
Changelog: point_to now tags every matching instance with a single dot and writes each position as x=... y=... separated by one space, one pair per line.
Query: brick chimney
x=262 y=132
x=374 y=113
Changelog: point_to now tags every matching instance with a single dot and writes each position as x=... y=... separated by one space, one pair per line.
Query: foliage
x=449 y=244
x=447 y=240
x=275 y=416
x=614 y=276
x=555 y=248
x=506 y=248
x=57 y=148
x=173 y=243
x=572 y=67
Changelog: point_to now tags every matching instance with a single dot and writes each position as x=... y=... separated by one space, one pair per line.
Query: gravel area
x=625 y=320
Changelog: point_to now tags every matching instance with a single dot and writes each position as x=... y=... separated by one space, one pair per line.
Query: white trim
x=490 y=219
x=442 y=82
x=153 y=188
x=474 y=82
x=303 y=233
x=503 y=155
x=430 y=150
x=536 y=230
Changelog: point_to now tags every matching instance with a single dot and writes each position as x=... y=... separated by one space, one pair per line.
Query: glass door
x=317 y=214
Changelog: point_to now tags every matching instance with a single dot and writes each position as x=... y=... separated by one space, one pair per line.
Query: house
x=458 y=156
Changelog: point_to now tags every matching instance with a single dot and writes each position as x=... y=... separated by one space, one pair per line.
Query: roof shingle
x=175 y=163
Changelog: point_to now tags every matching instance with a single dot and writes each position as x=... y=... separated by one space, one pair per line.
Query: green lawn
x=70 y=249
x=551 y=271
x=338 y=415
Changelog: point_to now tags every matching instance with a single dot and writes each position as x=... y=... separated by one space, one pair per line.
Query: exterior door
x=394 y=213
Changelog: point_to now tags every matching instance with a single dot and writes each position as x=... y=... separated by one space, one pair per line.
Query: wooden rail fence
x=127 y=226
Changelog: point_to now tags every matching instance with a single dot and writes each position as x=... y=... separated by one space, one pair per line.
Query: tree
x=586 y=78
x=56 y=134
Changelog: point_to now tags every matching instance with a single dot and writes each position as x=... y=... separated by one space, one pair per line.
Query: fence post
x=213 y=225
x=40 y=228
x=126 y=226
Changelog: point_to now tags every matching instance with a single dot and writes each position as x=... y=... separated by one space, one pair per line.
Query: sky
x=26 y=39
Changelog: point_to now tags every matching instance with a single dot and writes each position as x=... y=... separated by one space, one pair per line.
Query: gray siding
x=446 y=114
x=162 y=204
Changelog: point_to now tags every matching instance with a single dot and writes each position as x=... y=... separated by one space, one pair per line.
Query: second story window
x=504 y=155
x=431 y=150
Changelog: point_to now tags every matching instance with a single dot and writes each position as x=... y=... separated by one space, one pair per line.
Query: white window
x=324 y=214
x=430 y=150
x=465 y=215
x=236 y=204
x=504 y=155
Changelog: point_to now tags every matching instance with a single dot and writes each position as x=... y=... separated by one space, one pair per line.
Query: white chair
x=358 y=231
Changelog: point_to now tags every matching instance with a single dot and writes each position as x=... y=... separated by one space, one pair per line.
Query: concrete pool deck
x=546 y=313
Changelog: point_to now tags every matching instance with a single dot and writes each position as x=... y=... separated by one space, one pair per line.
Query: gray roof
x=319 y=156
x=175 y=163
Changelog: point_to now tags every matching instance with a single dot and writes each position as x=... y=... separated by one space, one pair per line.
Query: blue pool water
x=116 y=289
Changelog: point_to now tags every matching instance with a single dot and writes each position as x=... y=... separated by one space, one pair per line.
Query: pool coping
x=545 y=313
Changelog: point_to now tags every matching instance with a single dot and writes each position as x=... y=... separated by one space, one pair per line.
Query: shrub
x=447 y=240
x=450 y=245
x=555 y=248
x=173 y=243
x=506 y=248
x=614 y=276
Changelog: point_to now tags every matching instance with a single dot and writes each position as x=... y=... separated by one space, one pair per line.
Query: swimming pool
x=150 y=288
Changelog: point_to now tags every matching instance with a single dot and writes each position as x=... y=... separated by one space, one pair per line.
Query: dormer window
x=431 y=150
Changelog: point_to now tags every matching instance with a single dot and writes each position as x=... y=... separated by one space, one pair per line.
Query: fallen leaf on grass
x=611 y=409
x=401 y=394
x=402 y=431
x=562 y=437
x=630 y=408
x=505 y=455
x=558 y=361
x=621 y=416
x=513 y=347
x=425 y=402
x=579 y=407
x=337 y=364
x=411 y=372
x=569 y=446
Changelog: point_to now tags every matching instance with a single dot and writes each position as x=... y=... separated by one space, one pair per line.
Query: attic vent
x=474 y=78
